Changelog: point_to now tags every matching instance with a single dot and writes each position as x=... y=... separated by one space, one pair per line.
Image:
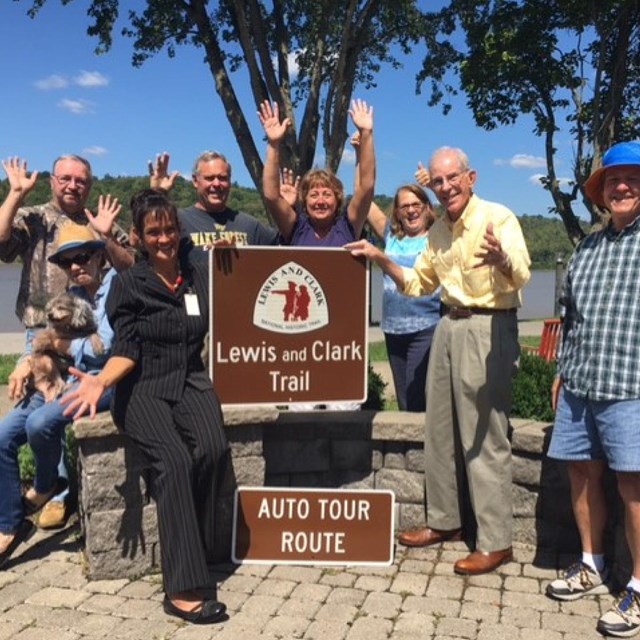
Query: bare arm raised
x=376 y=216
x=20 y=184
x=283 y=214
x=358 y=209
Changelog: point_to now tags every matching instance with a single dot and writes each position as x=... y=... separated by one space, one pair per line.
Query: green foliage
x=7 y=364
x=570 y=63
x=546 y=240
x=375 y=391
x=532 y=388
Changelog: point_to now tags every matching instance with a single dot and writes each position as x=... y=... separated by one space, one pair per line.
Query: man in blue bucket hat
x=597 y=391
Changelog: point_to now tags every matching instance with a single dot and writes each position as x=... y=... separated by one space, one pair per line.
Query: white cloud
x=349 y=156
x=499 y=162
x=526 y=161
x=52 y=82
x=537 y=178
x=89 y=79
x=77 y=107
x=94 y=150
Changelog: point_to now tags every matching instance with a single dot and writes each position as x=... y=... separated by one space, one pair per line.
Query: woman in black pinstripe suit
x=164 y=399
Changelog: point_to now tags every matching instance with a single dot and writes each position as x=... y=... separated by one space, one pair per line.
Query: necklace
x=174 y=286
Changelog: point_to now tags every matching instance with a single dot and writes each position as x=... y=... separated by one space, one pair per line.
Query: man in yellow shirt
x=476 y=252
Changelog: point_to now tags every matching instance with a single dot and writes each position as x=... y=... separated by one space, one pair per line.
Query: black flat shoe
x=207 y=612
x=24 y=532
x=30 y=508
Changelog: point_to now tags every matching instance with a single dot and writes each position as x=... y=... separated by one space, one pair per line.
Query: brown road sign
x=312 y=526
x=288 y=325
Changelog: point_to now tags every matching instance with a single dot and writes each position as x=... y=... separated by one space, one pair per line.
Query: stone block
x=115 y=489
x=408 y=486
x=245 y=441
x=394 y=455
x=353 y=480
x=131 y=530
x=377 y=457
x=412 y=516
x=530 y=437
x=525 y=501
x=398 y=425
x=526 y=470
x=117 y=564
x=291 y=456
x=98 y=455
x=249 y=471
x=414 y=458
x=351 y=454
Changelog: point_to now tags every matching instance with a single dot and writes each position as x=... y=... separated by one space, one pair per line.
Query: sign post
x=288 y=325
x=312 y=526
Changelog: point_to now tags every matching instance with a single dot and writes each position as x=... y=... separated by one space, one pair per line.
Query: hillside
x=546 y=237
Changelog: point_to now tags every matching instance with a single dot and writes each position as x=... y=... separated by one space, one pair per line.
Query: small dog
x=68 y=317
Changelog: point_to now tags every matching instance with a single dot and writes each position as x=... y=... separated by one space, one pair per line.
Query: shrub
x=532 y=388
x=375 y=391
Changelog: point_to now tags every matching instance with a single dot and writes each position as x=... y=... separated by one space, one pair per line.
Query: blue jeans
x=409 y=357
x=42 y=426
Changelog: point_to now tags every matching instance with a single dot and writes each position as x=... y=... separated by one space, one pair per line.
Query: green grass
x=529 y=341
x=378 y=352
x=7 y=363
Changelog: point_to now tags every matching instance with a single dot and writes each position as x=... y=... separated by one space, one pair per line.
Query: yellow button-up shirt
x=449 y=259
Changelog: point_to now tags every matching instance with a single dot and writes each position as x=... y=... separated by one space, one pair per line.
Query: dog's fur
x=68 y=317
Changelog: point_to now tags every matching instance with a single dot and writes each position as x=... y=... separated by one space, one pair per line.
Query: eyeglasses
x=65 y=180
x=453 y=179
x=80 y=259
x=417 y=206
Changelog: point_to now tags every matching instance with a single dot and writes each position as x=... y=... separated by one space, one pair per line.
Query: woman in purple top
x=319 y=223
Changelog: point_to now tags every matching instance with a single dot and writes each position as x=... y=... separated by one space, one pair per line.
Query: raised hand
x=492 y=254
x=108 y=210
x=19 y=180
x=289 y=187
x=269 y=117
x=159 y=176
x=361 y=115
x=422 y=175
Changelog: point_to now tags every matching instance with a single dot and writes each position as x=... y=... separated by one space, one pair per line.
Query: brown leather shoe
x=483 y=561
x=427 y=536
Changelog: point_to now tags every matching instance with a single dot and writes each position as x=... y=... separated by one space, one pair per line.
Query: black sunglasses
x=79 y=259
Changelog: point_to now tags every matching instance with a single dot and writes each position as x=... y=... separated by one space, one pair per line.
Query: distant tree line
x=545 y=237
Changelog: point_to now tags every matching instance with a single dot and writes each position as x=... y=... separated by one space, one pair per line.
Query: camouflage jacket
x=33 y=238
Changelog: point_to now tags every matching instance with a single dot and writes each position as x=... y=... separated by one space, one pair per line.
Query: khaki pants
x=469 y=400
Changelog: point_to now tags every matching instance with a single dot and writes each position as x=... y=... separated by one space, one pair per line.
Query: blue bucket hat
x=623 y=153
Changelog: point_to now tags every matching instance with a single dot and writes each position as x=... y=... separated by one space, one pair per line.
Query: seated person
x=37 y=421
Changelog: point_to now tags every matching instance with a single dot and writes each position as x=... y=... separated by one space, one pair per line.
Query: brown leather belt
x=459 y=313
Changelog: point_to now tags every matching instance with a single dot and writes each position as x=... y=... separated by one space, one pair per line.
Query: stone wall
x=355 y=450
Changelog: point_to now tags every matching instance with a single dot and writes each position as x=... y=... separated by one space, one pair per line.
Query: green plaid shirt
x=600 y=352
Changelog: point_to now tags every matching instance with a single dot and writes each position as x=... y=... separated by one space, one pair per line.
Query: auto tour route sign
x=312 y=526
x=288 y=325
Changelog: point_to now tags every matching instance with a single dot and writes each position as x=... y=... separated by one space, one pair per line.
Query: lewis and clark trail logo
x=291 y=300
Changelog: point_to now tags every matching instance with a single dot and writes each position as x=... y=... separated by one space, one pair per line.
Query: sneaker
x=579 y=580
x=623 y=619
x=53 y=515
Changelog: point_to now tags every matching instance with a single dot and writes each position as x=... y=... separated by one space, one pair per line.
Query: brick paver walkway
x=44 y=595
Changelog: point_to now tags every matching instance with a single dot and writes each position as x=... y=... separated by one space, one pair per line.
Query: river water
x=538 y=297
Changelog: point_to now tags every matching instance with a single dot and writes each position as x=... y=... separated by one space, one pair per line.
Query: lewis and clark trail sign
x=288 y=325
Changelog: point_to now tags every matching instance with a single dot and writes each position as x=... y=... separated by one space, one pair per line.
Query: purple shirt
x=304 y=236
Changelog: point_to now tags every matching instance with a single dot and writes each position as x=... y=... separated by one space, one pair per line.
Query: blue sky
x=59 y=97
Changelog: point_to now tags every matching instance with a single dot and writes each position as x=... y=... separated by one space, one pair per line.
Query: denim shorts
x=588 y=429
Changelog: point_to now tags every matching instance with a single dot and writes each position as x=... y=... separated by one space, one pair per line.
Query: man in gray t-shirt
x=209 y=219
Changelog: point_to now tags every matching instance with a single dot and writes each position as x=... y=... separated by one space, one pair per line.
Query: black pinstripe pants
x=186 y=446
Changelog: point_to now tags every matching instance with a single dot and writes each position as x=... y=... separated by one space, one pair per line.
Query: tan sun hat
x=75 y=236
